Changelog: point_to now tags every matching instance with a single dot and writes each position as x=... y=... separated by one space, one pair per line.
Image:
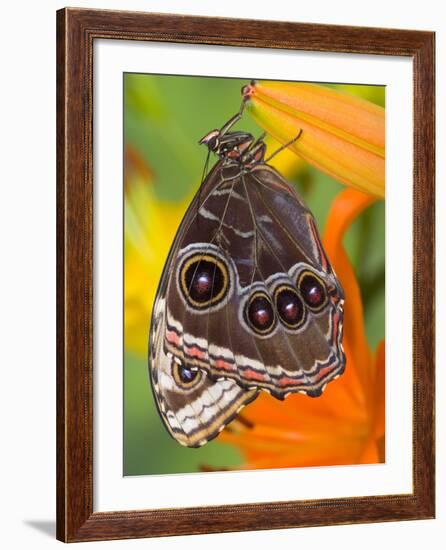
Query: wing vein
x=283 y=333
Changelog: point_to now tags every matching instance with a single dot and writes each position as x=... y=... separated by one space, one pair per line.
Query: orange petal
x=374 y=449
x=380 y=391
x=344 y=210
x=370 y=454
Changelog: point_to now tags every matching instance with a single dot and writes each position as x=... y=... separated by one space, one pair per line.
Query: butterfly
x=247 y=300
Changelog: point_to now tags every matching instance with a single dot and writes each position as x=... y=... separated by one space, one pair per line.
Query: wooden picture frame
x=77 y=29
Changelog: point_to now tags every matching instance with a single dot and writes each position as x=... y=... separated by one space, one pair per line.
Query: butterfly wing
x=303 y=350
x=247 y=298
x=195 y=407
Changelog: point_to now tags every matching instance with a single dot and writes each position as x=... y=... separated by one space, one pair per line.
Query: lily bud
x=342 y=135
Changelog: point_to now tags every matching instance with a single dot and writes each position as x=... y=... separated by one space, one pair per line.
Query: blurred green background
x=164 y=118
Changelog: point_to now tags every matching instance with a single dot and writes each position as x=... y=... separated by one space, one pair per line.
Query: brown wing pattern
x=248 y=301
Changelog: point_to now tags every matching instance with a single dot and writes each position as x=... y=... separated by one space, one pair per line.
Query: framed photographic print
x=245 y=275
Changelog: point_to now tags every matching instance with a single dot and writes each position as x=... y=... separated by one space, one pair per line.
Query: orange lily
x=346 y=424
x=342 y=135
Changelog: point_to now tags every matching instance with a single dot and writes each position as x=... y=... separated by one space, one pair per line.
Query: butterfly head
x=231 y=145
x=211 y=140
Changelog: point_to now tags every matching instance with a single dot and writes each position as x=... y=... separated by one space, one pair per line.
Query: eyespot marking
x=313 y=291
x=259 y=313
x=289 y=306
x=204 y=280
x=185 y=377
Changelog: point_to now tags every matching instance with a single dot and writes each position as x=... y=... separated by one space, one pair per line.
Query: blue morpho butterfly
x=247 y=301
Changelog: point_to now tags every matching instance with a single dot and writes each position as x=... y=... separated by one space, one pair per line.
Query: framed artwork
x=245 y=275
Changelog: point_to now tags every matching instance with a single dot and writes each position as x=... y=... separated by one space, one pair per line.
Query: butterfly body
x=247 y=301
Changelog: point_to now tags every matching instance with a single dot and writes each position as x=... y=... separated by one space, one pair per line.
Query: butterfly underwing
x=247 y=301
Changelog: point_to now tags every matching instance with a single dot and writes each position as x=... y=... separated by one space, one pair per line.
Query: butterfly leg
x=255 y=153
x=233 y=120
x=277 y=151
x=258 y=140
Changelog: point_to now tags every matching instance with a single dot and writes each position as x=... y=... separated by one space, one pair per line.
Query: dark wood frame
x=76 y=31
